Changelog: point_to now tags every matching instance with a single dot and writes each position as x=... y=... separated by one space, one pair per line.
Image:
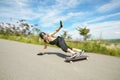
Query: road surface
x=19 y=61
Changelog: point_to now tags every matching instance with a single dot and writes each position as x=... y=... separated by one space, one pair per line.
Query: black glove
x=61 y=25
x=40 y=53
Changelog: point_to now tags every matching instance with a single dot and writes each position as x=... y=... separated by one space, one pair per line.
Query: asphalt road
x=19 y=61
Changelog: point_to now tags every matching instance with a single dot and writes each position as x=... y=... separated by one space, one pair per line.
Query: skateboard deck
x=77 y=58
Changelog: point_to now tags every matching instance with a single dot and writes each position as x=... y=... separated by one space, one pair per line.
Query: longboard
x=77 y=58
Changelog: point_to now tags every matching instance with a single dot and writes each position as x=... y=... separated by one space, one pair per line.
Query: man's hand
x=61 y=25
x=41 y=53
x=53 y=33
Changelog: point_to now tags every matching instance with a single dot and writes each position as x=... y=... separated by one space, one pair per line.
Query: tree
x=25 y=27
x=36 y=29
x=65 y=35
x=84 y=32
x=1 y=28
x=21 y=28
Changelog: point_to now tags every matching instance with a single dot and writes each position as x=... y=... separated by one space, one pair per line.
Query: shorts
x=61 y=43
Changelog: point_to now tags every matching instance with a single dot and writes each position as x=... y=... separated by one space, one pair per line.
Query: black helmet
x=42 y=34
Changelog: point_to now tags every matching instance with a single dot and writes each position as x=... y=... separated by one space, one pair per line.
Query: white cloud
x=53 y=15
x=75 y=35
x=113 y=4
x=103 y=25
x=108 y=29
x=103 y=17
x=20 y=9
x=17 y=9
x=66 y=4
x=117 y=32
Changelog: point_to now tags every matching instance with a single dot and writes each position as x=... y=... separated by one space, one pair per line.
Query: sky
x=102 y=17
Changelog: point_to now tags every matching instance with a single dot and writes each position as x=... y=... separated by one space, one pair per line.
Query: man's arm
x=45 y=46
x=53 y=33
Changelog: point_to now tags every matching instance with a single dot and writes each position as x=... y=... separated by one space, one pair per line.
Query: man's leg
x=65 y=48
x=78 y=51
x=74 y=54
x=70 y=51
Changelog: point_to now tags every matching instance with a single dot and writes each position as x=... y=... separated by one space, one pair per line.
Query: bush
x=93 y=46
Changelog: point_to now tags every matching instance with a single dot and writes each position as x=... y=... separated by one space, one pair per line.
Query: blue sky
x=102 y=17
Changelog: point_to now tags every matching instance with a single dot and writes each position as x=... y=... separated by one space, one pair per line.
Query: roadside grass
x=88 y=46
x=30 y=39
x=94 y=46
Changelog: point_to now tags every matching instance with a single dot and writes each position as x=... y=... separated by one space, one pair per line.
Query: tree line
x=22 y=28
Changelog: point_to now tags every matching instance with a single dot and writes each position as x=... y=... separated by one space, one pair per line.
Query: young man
x=59 y=41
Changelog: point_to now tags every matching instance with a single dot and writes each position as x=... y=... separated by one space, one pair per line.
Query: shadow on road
x=55 y=53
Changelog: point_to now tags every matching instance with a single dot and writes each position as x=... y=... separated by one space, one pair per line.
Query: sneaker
x=73 y=55
x=82 y=52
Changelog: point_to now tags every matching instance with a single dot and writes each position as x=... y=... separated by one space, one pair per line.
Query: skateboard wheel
x=71 y=62
x=87 y=58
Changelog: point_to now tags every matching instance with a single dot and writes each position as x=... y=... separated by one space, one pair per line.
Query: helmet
x=42 y=34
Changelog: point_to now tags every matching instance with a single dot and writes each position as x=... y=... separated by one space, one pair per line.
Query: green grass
x=94 y=46
x=89 y=46
x=30 y=39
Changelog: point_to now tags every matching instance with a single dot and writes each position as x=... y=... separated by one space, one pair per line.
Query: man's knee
x=65 y=49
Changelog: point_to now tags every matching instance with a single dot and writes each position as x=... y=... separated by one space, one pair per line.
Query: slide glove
x=61 y=25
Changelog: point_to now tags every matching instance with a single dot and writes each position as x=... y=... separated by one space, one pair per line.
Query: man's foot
x=61 y=25
x=72 y=56
x=81 y=52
